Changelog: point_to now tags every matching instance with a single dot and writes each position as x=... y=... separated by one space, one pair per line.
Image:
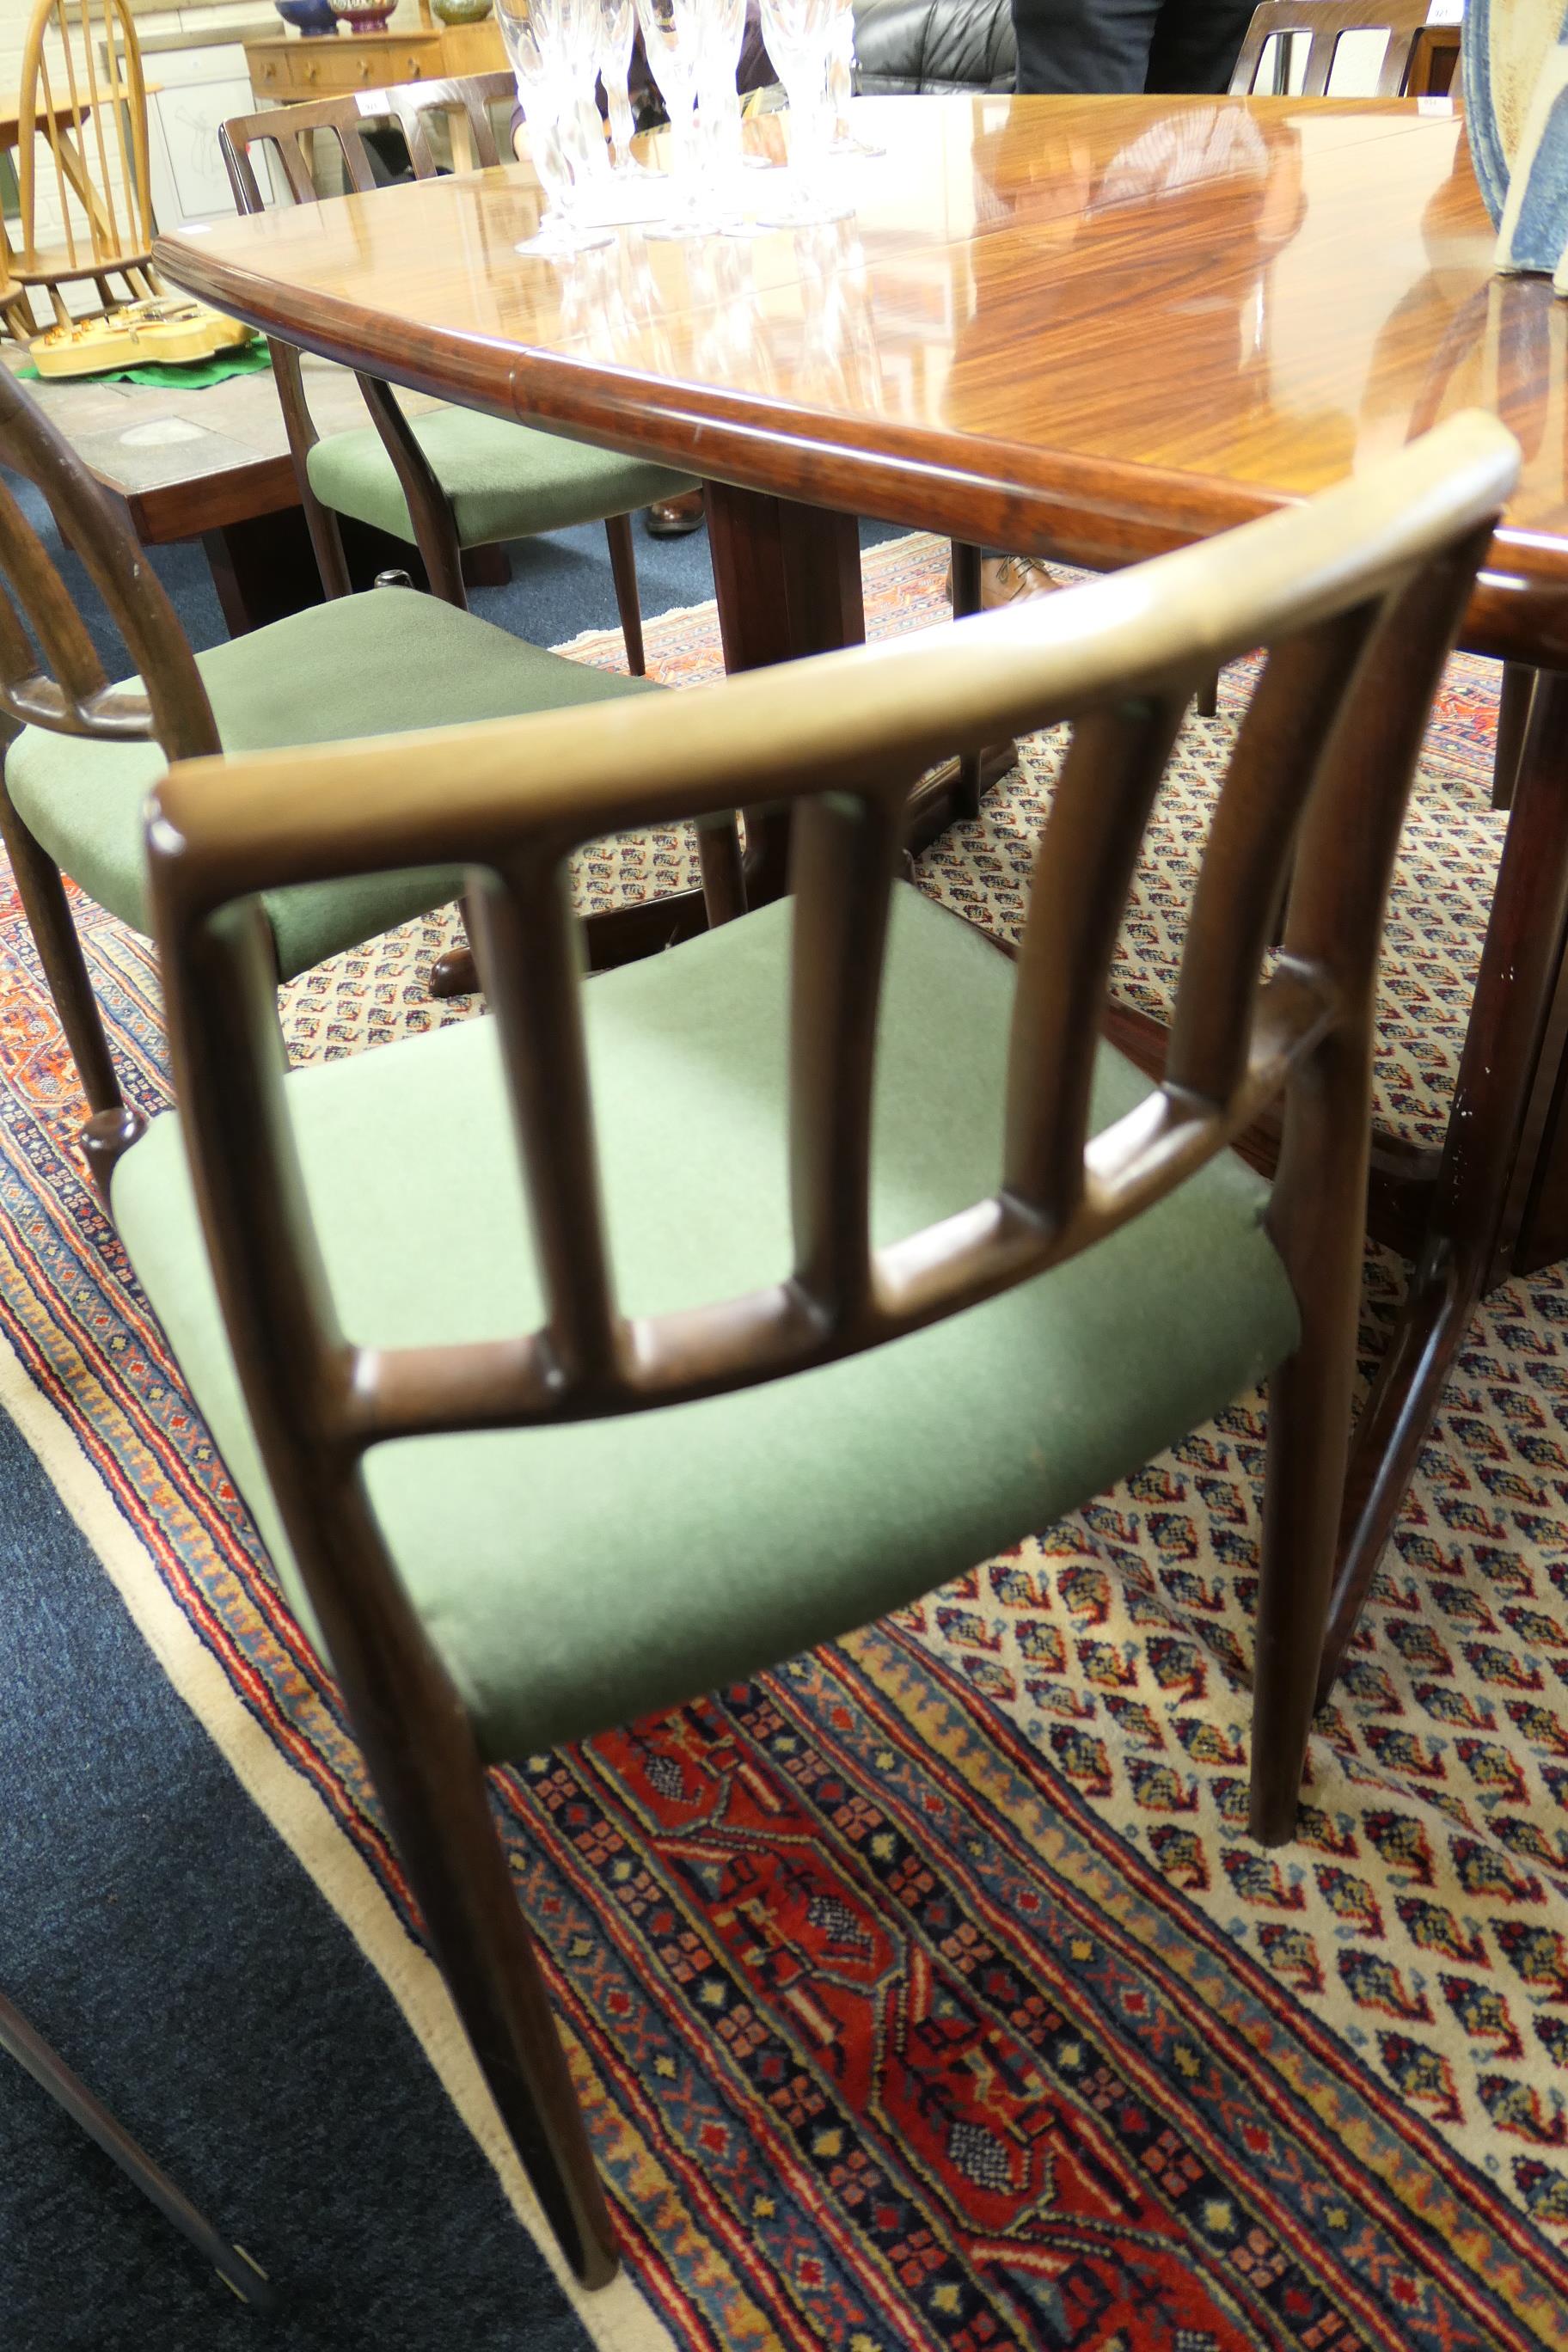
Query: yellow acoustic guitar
x=162 y=332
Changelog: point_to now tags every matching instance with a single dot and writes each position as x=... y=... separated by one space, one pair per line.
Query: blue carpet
x=153 y=1927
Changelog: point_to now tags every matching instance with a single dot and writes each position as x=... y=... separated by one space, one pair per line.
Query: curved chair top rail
x=1356 y=596
x=82 y=94
x=288 y=131
x=1323 y=25
x=69 y=690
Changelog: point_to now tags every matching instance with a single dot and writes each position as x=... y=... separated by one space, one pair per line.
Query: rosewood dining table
x=1089 y=329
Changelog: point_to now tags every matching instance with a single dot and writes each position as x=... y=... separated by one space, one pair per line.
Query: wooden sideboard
x=291 y=69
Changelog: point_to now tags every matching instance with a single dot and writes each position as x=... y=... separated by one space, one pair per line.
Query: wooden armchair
x=81 y=754
x=451 y=479
x=1323 y=25
x=83 y=101
x=896 y=1344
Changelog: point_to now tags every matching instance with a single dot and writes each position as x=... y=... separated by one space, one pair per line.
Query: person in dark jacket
x=1079 y=47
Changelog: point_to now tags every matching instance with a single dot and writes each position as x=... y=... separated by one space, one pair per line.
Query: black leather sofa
x=909 y=48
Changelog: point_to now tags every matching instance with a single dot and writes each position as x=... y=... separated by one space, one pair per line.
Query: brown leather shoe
x=1007 y=579
x=673 y=518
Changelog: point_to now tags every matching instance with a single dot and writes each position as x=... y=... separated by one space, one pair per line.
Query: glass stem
x=623 y=122
x=840 y=83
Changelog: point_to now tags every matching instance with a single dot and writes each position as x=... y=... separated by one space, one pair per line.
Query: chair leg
x=443 y=558
x=464 y=1889
x=48 y=910
x=1517 y=692
x=432 y=1785
x=965 y=580
x=1206 y=699
x=1317 y=1219
x=965 y=602
x=624 y=566
x=327 y=544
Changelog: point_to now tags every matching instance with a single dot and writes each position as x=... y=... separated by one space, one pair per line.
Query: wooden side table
x=291 y=69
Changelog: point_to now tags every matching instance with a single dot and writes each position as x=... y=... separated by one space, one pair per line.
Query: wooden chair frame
x=71 y=126
x=1358 y=598
x=1324 y=23
x=412 y=107
x=54 y=678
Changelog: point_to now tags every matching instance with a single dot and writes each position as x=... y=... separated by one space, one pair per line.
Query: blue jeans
x=1083 y=47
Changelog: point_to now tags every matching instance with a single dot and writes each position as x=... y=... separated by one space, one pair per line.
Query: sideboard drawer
x=326 y=68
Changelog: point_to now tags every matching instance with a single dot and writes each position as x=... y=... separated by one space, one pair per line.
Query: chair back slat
x=95 y=98
x=525 y=938
x=71 y=695
x=844 y=857
x=95 y=129
x=1323 y=25
x=415 y=106
x=412 y=107
x=1083 y=871
x=65 y=642
x=1355 y=597
x=1247 y=862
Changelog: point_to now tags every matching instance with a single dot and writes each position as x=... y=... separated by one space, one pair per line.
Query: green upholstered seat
x=374 y=665
x=505 y=481
x=583 y=1576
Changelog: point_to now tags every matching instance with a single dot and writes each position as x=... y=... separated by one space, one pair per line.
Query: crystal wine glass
x=841 y=84
x=719 y=99
x=617 y=30
x=672 y=36
x=544 y=43
x=798 y=34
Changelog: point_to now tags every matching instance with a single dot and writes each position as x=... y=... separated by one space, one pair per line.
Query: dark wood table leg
x=262 y=568
x=787 y=580
x=1485 y=1170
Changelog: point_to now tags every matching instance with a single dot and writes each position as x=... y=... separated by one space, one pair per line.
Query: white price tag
x=1445 y=11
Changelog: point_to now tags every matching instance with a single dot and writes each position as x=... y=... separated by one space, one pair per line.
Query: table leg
x=262 y=568
x=787 y=580
x=1485 y=1170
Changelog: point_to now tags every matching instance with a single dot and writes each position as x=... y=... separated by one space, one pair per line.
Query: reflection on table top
x=1048 y=320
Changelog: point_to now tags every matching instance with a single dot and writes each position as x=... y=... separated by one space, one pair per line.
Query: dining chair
x=1323 y=25
x=82 y=753
x=765 y=1285
x=450 y=479
x=83 y=101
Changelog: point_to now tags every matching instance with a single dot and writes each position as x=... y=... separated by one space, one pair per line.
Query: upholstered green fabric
x=580 y=1577
x=374 y=665
x=505 y=481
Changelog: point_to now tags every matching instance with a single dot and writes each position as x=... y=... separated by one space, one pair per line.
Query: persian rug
x=928 y=1991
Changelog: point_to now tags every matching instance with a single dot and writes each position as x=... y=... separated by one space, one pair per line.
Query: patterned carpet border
x=928 y=1992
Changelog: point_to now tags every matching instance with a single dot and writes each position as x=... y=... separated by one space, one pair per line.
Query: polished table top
x=1085 y=326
